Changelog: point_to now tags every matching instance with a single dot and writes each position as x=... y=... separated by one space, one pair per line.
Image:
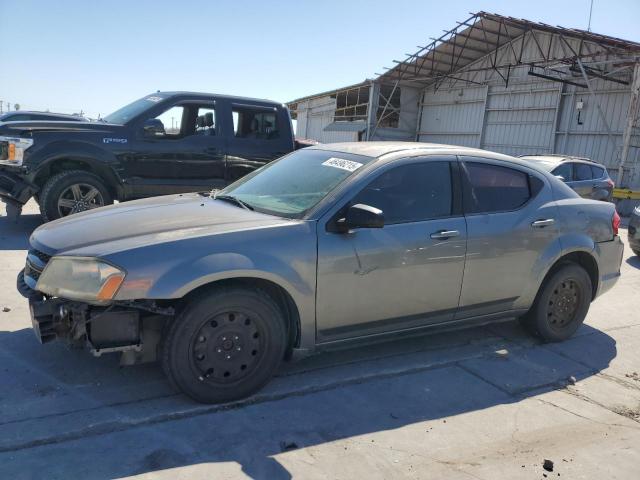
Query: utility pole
x=590 y=12
x=0 y=106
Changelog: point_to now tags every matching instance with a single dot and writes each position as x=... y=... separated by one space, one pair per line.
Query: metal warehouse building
x=502 y=84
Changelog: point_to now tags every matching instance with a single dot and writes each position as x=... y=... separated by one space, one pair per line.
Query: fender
x=101 y=161
x=566 y=244
x=183 y=278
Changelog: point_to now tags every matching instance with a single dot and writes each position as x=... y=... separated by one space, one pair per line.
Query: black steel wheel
x=227 y=348
x=225 y=345
x=71 y=192
x=561 y=304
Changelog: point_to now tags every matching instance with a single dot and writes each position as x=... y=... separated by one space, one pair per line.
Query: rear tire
x=71 y=192
x=225 y=345
x=561 y=304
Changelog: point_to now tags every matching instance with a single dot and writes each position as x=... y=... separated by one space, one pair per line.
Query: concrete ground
x=485 y=403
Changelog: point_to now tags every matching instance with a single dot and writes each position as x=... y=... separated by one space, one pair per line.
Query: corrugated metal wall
x=453 y=116
x=530 y=115
x=314 y=115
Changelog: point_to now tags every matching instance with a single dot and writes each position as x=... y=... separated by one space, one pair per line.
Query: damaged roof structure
x=501 y=83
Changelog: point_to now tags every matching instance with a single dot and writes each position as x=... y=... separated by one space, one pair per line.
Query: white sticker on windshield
x=347 y=165
x=154 y=99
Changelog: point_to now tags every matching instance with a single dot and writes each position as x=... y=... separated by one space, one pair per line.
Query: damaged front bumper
x=15 y=189
x=133 y=329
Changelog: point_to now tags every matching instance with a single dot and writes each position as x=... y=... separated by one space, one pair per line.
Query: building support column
x=372 y=108
x=632 y=115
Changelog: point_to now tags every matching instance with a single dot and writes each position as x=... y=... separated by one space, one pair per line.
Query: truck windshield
x=127 y=112
x=296 y=183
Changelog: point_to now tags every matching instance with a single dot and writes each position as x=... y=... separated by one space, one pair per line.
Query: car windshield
x=293 y=185
x=127 y=112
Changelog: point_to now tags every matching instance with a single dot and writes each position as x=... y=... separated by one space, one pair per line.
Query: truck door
x=257 y=135
x=184 y=152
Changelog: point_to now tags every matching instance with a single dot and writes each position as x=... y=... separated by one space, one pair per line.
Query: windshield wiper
x=234 y=200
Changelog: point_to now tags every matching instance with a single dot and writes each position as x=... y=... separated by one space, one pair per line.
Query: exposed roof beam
x=467 y=47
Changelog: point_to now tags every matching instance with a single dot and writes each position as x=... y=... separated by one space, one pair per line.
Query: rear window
x=494 y=188
x=598 y=172
x=582 y=172
x=255 y=123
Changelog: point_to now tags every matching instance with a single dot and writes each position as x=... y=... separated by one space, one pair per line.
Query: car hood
x=13 y=128
x=145 y=222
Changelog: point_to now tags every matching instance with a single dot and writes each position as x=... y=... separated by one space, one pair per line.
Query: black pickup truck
x=167 y=142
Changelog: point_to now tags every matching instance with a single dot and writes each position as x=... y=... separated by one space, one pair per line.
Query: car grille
x=36 y=261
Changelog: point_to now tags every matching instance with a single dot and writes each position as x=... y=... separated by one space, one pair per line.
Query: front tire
x=225 y=345
x=561 y=304
x=71 y=192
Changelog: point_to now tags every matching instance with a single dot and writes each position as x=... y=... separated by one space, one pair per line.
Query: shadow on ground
x=318 y=400
x=634 y=261
x=14 y=233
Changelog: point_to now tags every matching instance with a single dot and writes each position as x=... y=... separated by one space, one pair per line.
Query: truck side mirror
x=153 y=127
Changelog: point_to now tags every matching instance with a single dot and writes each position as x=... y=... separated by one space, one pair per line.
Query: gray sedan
x=330 y=245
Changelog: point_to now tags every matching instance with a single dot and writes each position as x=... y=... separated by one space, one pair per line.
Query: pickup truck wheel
x=71 y=192
x=225 y=345
x=561 y=304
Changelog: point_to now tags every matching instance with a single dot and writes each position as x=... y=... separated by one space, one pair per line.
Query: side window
x=255 y=123
x=172 y=121
x=205 y=121
x=598 y=172
x=411 y=193
x=582 y=172
x=493 y=188
x=564 y=171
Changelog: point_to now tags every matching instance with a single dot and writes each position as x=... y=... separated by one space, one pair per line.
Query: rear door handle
x=543 y=223
x=444 y=234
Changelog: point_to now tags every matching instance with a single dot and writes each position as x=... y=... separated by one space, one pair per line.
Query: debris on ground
x=633 y=376
x=571 y=380
x=6 y=309
x=547 y=465
x=502 y=353
x=286 y=446
x=633 y=414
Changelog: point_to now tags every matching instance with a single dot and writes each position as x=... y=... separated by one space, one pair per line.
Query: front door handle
x=543 y=223
x=444 y=234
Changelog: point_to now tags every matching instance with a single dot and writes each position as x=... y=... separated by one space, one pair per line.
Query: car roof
x=231 y=98
x=557 y=158
x=390 y=150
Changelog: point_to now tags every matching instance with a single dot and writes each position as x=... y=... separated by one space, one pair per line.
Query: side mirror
x=361 y=216
x=560 y=177
x=153 y=127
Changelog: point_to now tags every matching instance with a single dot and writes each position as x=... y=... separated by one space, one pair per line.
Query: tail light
x=611 y=183
x=615 y=222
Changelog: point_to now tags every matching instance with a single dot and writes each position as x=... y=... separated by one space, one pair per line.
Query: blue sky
x=98 y=55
